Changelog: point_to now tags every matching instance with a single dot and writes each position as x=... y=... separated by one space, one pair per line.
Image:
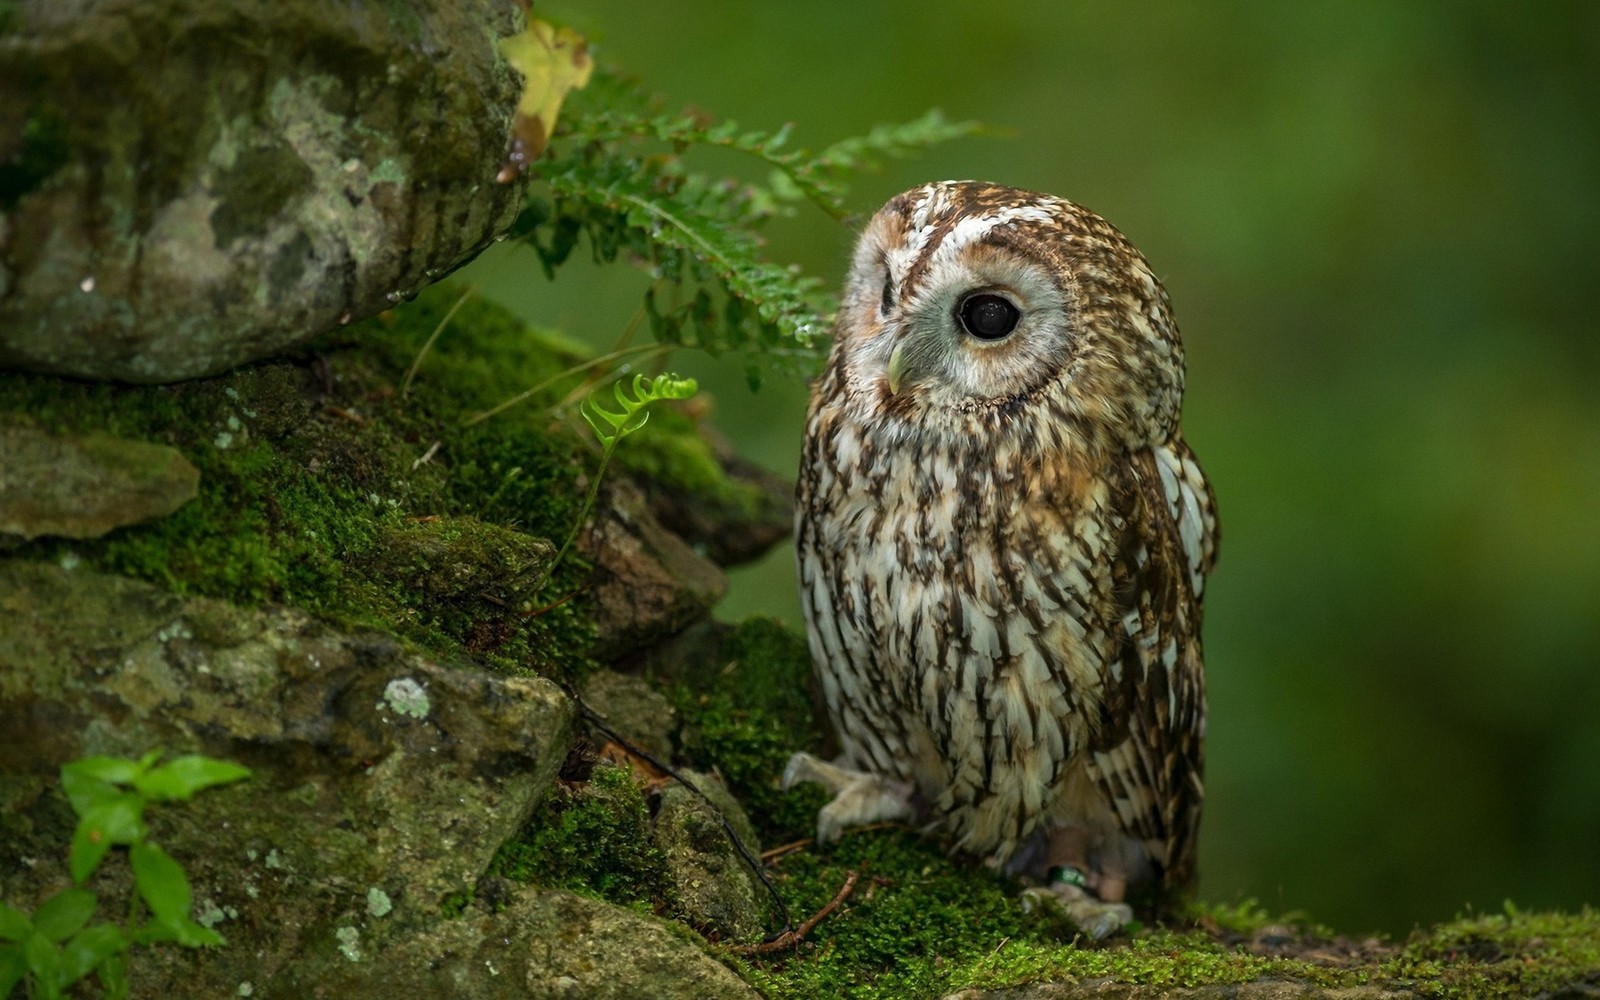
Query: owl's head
x=972 y=300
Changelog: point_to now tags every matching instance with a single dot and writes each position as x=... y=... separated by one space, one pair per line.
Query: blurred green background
x=1378 y=223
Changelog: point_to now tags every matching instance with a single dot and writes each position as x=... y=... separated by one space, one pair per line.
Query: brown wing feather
x=1149 y=757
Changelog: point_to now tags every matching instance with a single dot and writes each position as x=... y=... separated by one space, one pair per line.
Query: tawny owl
x=1003 y=542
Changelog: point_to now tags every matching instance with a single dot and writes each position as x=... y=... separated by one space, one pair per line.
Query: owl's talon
x=859 y=797
x=1095 y=918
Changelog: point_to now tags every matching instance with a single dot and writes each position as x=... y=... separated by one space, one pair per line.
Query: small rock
x=633 y=708
x=82 y=486
x=649 y=582
x=712 y=885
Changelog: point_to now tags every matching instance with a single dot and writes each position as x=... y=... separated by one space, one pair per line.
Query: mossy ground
x=592 y=837
x=922 y=924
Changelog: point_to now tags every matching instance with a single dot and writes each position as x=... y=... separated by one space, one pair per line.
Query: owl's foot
x=858 y=796
x=1092 y=916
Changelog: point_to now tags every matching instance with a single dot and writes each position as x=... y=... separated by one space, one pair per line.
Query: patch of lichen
x=592 y=837
x=324 y=487
x=747 y=716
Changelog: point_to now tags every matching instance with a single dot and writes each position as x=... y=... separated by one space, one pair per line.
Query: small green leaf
x=14 y=926
x=12 y=967
x=633 y=412
x=85 y=791
x=89 y=847
x=113 y=973
x=86 y=952
x=116 y=770
x=64 y=914
x=183 y=931
x=192 y=935
x=151 y=932
x=179 y=779
x=44 y=962
x=165 y=888
x=119 y=820
x=161 y=882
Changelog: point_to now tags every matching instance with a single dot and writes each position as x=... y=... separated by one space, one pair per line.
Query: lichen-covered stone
x=375 y=768
x=82 y=486
x=711 y=885
x=540 y=945
x=190 y=185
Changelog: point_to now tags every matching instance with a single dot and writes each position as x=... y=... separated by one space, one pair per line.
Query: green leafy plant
x=613 y=170
x=610 y=427
x=616 y=175
x=57 y=946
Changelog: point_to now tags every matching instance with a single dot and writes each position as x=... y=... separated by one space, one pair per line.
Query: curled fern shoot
x=611 y=426
x=633 y=413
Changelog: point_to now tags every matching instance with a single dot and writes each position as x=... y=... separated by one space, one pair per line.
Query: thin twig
x=603 y=359
x=536 y=612
x=794 y=845
x=790 y=938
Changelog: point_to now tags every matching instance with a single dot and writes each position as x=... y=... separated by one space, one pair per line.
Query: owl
x=1003 y=542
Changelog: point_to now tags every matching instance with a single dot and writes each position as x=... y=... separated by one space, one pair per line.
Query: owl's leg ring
x=1094 y=917
x=1090 y=896
x=858 y=796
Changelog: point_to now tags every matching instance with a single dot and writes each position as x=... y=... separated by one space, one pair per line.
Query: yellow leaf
x=552 y=61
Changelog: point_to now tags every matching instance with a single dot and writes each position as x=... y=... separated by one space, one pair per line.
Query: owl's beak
x=897 y=367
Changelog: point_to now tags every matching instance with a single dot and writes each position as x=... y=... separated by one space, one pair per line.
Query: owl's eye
x=988 y=316
x=887 y=302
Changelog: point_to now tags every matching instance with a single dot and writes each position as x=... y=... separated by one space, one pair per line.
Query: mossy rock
x=259 y=172
x=329 y=483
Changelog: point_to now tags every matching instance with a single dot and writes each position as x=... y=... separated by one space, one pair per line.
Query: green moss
x=314 y=490
x=744 y=720
x=1243 y=918
x=592 y=837
x=1505 y=955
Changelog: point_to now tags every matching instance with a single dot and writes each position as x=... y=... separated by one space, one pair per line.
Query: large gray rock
x=384 y=783
x=188 y=185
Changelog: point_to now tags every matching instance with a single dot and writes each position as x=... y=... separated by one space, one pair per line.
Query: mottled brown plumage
x=1003 y=541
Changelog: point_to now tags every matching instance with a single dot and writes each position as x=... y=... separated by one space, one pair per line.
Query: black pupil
x=989 y=317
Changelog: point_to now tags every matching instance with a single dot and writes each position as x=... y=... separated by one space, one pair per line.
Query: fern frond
x=634 y=410
x=632 y=414
x=615 y=177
